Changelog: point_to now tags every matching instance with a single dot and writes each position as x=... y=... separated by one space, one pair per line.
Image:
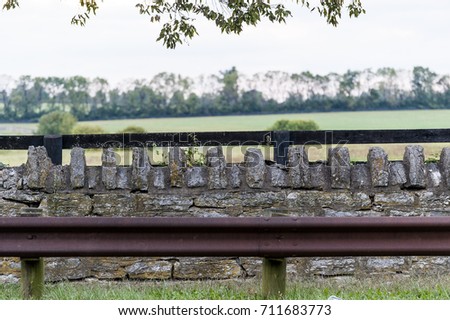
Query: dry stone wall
x=256 y=187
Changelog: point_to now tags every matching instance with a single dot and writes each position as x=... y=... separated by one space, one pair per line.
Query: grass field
x=410 y=119
x=348 y=288
x=413 y=119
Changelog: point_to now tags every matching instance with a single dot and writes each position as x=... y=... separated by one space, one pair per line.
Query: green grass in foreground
x=404 y=288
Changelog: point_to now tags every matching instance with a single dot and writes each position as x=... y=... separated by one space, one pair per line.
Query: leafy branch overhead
x=178 y=17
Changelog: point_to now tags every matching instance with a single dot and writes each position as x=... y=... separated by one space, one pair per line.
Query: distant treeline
x=170 y=95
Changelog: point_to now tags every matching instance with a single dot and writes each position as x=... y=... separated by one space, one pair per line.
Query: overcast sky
x=118 y=43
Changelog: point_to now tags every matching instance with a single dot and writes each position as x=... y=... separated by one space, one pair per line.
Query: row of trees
x=168 y=95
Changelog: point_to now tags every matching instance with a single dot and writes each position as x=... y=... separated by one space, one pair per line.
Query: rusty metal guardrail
x=274 y=239
x=246 y=236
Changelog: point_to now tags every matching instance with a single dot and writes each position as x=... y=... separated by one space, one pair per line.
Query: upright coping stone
x=256 y=168
x=77 y=167
x=444 y=164
x=38 y=167
x=298 y=164
x=217 y=168
x=377 y=160
x=339 y=162
x=140 y=168
x=109 y=169
x=177 y=163
x=414 y=161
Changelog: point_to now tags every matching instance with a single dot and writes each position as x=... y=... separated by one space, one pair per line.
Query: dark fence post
x=53 y=144
x=32 y=269
x=282 y=140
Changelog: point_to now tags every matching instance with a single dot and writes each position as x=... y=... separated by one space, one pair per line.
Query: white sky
x=118 y=43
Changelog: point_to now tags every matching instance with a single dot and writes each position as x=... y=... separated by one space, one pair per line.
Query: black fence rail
x=279 y=140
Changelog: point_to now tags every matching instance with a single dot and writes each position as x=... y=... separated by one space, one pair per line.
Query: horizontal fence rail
x=280 y=140
x=224 y=237
x=237 y=138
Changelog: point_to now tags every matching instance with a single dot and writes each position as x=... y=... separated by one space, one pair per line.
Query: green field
x=413 y=119
x=416 y=119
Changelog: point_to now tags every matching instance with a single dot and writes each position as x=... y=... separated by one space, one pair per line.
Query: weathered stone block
x=318 y=174
x=9 y=178
x=432 y=203
x=37 y=167
x=278 y=177
x=444 y=164
x=261 y=199
x=430 y=265
x=94 y=177
x=206 y=268
x=123 y=178
x=397 y=175
x=60 y=269
x=433 y=174
x=218 y=200
x=386 y=265
x=360 y=176
x=414 y=162
x=164 y=204
x=160 y=176
x=11 y=208
x=255 y=168
x=345 y=201
x=339 y=162
x=177 y=164
x=24 y=196
x=140 y=168
x=110 y=205
x=217 y=174
x=305 y=202
x=150 y=269
x=196 y=177
x=9 y=269
x=55 y=180
x=67 y=204
x=395 y=199
x=109 y=169
x=298 y=164
x=331 y=266
x=110 y=268
x=377 y=160
x=234 y=176
x=77 y=167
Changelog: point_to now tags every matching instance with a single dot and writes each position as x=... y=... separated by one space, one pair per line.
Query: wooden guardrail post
x=274 y=278
x=274 y=269
x=32 y=277
x=32 y=269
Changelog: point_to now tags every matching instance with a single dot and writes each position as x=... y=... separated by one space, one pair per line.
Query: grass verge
x=347 y=288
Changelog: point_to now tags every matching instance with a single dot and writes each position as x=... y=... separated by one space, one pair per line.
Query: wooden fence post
x=32 y=278
x=32 y=269
x=282 y=140
x=274 y=278
x=53 y=144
